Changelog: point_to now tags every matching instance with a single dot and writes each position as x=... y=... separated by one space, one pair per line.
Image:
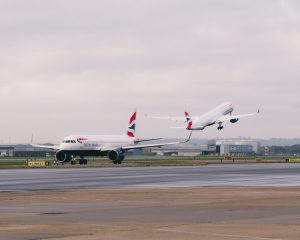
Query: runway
x=151 y=177
x=152 y=203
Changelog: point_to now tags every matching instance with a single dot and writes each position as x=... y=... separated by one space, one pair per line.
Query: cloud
x=73 y=66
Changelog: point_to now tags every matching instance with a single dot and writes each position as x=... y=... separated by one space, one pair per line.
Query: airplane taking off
x=112 y=146
x=218 y=115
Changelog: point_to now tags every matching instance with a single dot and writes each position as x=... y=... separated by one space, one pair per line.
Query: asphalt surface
x=151 y=177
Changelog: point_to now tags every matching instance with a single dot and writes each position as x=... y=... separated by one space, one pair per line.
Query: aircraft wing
x=45 y=146
x=175 y=119
x=191 y=127
x=126 y=148
x=235 y=117
x=146 y=140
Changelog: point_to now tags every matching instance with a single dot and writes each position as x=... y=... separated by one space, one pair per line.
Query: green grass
x=13 y=163
x=146 y=161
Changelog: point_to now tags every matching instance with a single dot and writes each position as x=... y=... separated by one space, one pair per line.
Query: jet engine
x=63 y=157
x=117 y=156
x=234 y=120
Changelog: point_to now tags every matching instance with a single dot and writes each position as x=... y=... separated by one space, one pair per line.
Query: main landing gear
x=82 y=161
x=220 y=126
x=119 y=159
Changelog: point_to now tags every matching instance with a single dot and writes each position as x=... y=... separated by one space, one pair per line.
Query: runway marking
x=14 y=227
x=219 y=234
x=12 y=190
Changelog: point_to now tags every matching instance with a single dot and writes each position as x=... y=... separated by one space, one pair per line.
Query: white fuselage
x=95 y=142
x=213 y=115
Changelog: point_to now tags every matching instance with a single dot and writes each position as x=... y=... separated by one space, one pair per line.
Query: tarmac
x=281 y=174
x=215 y=202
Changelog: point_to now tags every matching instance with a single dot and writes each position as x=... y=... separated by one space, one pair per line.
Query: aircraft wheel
x=85 y=161
x=81 y=161
x=73 y=162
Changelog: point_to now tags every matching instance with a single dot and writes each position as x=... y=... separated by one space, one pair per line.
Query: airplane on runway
x=112 y=146
x=217 y=115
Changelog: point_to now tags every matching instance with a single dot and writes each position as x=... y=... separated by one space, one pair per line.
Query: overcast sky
x=70 y=66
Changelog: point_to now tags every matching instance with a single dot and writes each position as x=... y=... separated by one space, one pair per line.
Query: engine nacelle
x=234 y=120
x=63 y=157
x=116 y=155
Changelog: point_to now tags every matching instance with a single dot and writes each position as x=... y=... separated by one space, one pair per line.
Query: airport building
x=237 y=147
x=7 y=151
x=24 y=150
x=226 y=147
x=185 y=151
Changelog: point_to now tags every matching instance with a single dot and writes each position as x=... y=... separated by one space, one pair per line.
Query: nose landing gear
x=73 y=161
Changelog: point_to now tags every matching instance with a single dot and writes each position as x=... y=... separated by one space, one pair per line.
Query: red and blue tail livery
x=131 y=126
x=187 y=116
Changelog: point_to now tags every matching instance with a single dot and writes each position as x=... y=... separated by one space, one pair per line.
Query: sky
x=73 y=67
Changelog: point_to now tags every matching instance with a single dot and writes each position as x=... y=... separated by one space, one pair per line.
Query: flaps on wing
x=45 y=146
x=126 y=148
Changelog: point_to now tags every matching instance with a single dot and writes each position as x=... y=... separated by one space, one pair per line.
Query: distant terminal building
x=186 y=151
x=237 y=147
x=24 y=150
x=225 y=147
x=7 y=151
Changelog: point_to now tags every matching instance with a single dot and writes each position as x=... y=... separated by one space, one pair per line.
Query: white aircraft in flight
x=218 y=115
x=112 y=146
